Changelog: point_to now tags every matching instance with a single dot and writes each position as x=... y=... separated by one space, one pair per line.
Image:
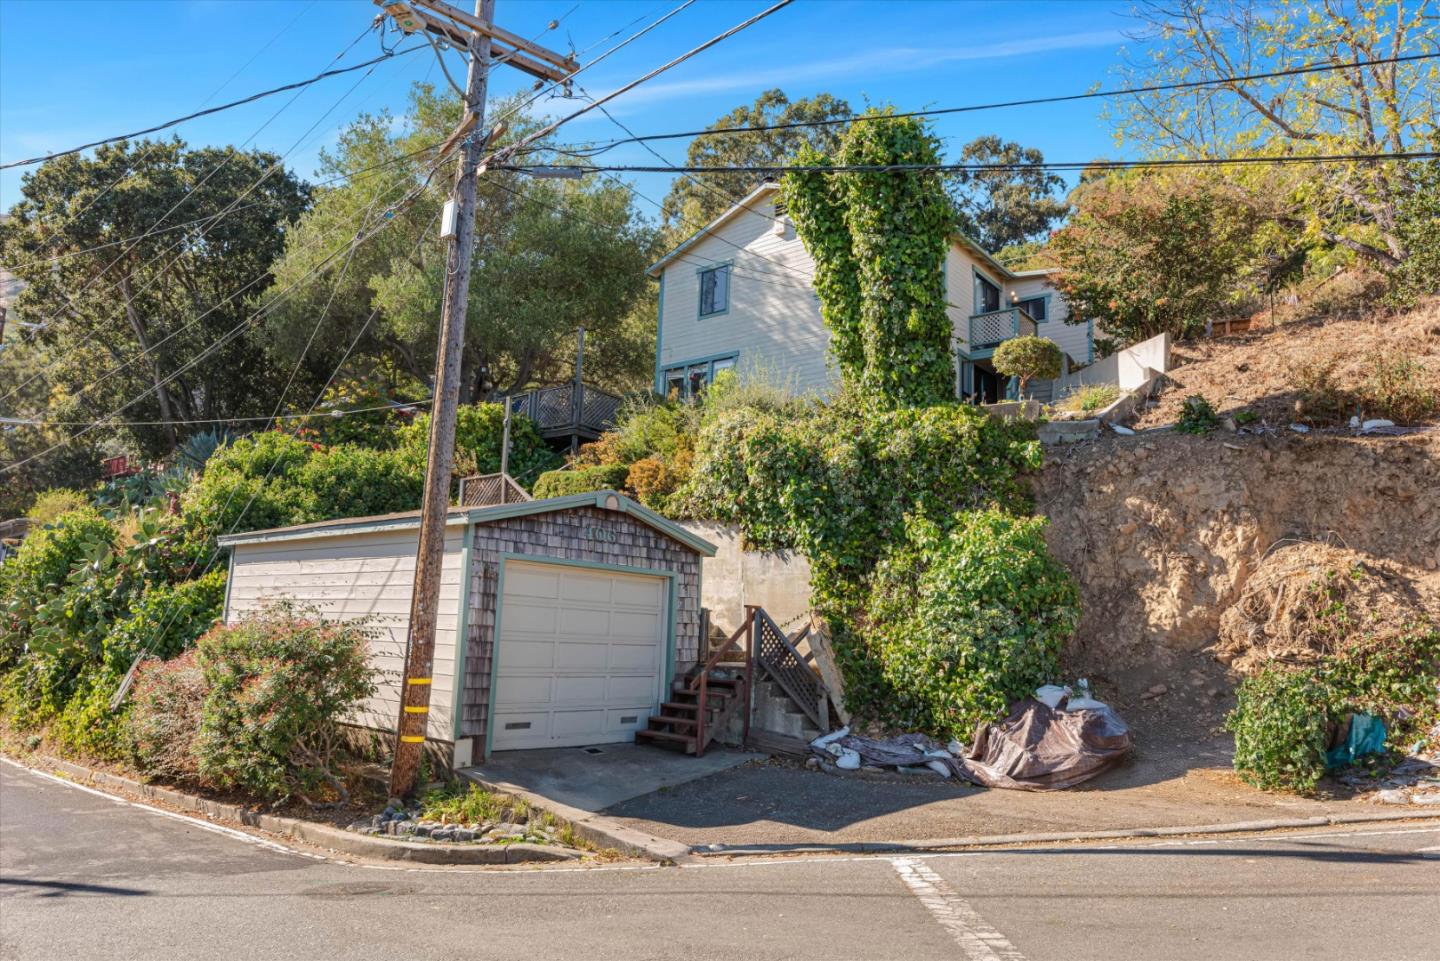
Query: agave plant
x=198 y=448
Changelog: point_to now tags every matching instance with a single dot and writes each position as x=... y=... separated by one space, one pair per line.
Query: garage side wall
x=362 y=576
x=585 y=534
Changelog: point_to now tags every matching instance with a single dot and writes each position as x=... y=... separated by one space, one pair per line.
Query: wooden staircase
x=678 y=723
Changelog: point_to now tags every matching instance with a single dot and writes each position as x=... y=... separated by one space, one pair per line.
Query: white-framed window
x=715 y=291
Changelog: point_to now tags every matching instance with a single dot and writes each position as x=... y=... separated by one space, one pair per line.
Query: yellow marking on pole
x=409 y=739
x=418 y=680
x=416 y=710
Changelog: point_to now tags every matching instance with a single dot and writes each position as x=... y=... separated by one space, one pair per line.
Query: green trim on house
x=462 y=631
x=229 y=585
x=659 y=335
x=672 y=607
x=1042 y=296
x=700 y=272
x=336 y=528
x=709 y=362
x=1090 y=340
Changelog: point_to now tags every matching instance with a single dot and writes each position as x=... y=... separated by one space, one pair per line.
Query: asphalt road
x=84 y=876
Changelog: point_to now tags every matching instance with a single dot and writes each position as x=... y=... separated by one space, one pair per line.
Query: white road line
x=976 y=937
x=196 y=822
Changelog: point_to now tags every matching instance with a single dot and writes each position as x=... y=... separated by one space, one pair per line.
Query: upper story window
x=1035 y=307
x=714 y=291
x=987 y=296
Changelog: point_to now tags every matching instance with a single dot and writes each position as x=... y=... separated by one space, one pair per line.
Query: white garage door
x=580 y=655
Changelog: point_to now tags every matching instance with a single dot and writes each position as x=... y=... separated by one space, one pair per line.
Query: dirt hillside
x=1164 y=531
x=1335 y=364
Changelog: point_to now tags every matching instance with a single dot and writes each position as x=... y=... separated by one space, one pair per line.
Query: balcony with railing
x=570 y=411
x=989 y=329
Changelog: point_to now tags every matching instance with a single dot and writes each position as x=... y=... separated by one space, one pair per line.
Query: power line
x=17 y=422
x=597 y=149
x=299 y=84
x=959 y=167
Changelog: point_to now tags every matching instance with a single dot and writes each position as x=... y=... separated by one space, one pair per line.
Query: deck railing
x=779 y=656
x=991 y=329
x=568 y=407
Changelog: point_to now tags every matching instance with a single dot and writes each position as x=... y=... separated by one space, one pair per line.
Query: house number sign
x=601 y=534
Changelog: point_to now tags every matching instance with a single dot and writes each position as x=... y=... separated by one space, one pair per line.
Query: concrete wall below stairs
x=778 y=582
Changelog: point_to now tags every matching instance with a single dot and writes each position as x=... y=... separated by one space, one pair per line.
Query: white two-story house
x=738 y=295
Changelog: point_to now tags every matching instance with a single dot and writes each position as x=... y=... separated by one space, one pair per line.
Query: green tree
x=1418 y=226
x=548 y=257
x=162 y=298
x=695 y=200
x=1016 y=202
x=879 y=242
x=1145 y=254
x=1028 y=357
x=1365 y=111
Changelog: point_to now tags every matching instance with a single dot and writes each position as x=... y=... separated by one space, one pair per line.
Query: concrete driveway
x=595 y=778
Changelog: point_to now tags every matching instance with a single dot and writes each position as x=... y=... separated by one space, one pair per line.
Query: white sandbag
x=823 y=741
x=1051 y=695
x=940 y=768
x=848 y=760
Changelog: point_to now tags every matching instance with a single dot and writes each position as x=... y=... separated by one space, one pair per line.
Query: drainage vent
x=592 y=750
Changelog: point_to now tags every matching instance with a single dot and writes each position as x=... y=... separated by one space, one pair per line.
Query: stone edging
x=321 y=835
x=1000 y=840
x=595 y=828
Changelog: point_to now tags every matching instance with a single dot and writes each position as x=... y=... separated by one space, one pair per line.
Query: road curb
x=595 y=828
x=1001 y=840
x=321 y=835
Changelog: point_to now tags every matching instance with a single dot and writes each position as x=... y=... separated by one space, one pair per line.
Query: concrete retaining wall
x=778 y=582
x=1127 y=369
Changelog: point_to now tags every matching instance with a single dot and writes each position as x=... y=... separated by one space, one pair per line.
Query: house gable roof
x=604 y=500
x=770 y=187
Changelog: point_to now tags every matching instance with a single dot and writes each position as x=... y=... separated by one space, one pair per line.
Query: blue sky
x=73 y=71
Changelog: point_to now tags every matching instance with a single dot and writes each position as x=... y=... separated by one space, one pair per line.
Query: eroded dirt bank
x=1162 y=531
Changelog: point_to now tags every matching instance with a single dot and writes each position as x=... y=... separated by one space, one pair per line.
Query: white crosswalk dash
x=976 y=937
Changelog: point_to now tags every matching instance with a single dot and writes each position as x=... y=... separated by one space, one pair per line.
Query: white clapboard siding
x=773 y=325
x=351 y=576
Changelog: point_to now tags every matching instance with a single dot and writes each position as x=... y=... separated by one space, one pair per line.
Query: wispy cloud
x=877 y=62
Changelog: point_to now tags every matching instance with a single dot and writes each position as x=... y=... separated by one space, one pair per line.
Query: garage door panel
x=634 y=688
x=630 y=657
x=526 y=689
x=527 y=654
x=638 y=592
x=637 y=625
x=528 y=617
x=580 y=689
x=532 y=582
x=584 y=622
x=577 y=586
x=580 y=655
x=578 y=723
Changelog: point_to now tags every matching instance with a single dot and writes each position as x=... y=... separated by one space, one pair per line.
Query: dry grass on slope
x=1314 y=371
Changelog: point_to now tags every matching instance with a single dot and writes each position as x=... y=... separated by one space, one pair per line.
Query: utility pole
x=473 y=33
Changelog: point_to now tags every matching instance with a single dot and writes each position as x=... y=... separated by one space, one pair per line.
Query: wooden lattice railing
x=779 y=656
x=487 y=490
x=990 y=329
x=568 y=406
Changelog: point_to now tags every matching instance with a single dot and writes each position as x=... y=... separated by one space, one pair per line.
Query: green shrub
x=479 y=430
x=252 y=484
x=1027 y=358
x=40 y=570
x=1197 y=416
x=49 y=505
x=36 y=690
x=167 y=706
x=472 y=806
x=1398 y=387
x=350 y=481
x=1281 y=725
x=1090 y=399
x=559 y=483
x=965 y=621
x=278 y=685
x=166 y=621
x=87 y=726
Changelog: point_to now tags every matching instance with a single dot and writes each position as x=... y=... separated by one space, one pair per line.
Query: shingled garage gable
x=588 y=539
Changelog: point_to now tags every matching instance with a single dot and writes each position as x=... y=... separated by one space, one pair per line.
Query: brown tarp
x=1039 y=749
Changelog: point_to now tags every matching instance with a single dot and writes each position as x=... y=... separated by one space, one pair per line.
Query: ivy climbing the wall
x=879 y=242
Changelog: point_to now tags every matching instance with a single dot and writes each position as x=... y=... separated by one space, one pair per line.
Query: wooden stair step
x=672 y=721
x=688 y=740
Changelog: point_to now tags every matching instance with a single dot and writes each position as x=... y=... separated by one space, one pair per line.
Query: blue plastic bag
x=1366 y=736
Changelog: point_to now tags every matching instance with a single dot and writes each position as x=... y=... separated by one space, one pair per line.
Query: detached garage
x=562 y=621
